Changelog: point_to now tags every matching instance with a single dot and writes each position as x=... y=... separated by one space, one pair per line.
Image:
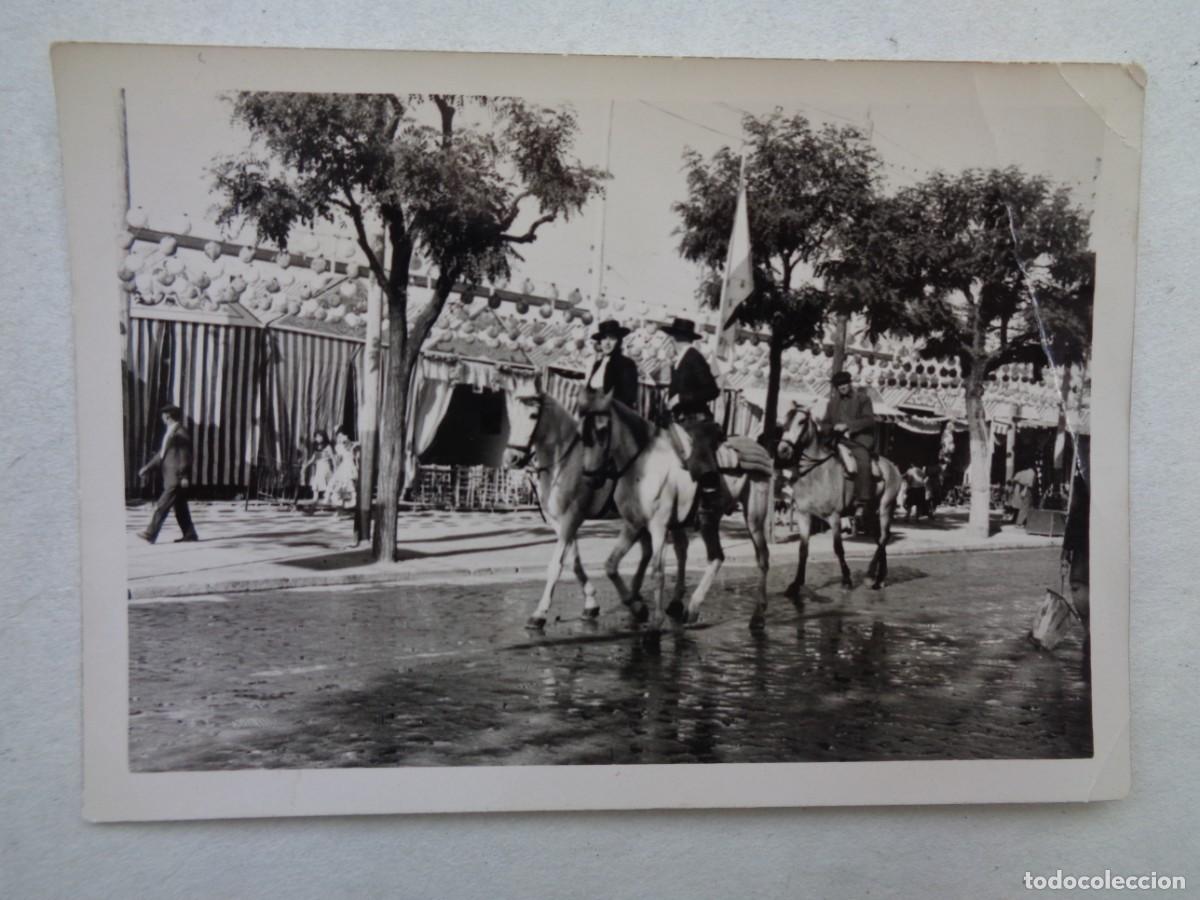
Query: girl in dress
x=343 y=486
x=321 y=461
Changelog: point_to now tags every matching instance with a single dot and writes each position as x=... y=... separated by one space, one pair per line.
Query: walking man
x=174 y=460
x=692 y=389
x=851 y=416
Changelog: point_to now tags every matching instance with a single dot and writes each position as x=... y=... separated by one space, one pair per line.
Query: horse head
x=524 y=402
x=595 y=409
x=797 y=433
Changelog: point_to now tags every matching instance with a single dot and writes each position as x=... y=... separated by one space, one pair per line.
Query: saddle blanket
x=735 y=455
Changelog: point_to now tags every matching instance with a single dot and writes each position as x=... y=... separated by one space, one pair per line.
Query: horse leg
x=612 y=569
x=879 y=562
x=796 y=588
x=636 y=600
x=591 y=608
x=680 y=539
x=537 y=621
x=758 y=507
x=658 y=540
x=835 y=522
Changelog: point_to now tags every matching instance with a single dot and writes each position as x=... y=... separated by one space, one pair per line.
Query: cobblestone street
x=936 y=666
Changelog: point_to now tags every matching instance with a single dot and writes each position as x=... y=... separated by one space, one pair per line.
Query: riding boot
x=709 y=515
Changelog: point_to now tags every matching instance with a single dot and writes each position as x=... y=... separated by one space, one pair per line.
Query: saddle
x=850 y=464
x=736 y=455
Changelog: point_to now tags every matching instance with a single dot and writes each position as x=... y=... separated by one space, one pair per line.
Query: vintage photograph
x=484 y=429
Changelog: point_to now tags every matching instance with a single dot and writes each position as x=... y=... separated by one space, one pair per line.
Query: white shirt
x=167 y=437
x=597 y=379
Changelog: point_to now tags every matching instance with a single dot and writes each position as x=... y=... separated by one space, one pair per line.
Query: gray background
x=47 y=851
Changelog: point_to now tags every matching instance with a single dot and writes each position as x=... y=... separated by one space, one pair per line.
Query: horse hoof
x=640 y=611
x=758 y=623
x=877 y=585
x=535 y=623
x=847 y=584
x=693 y=616
x=675 y=611
x=792 y=592
x=591 y=612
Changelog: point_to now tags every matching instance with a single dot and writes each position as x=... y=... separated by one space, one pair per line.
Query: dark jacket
x=175 y=460
x=693 y=383
x=856 y=412
x=621 y=377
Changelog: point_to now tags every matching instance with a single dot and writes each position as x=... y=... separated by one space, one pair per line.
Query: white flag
x=739 y=274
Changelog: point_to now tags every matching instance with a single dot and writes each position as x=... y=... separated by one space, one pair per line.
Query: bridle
x=805 y=464
x=526 y=449
x=608 y=471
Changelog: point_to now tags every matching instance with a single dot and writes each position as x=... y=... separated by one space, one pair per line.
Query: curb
x=396 y=576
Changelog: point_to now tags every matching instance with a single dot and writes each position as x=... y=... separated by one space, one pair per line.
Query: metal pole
x=598 y=244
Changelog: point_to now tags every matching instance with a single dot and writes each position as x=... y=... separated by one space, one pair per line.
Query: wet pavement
x=935 y=666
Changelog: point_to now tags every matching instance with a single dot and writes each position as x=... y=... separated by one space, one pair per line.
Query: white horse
x=655 y=495
x=542 y=432
x=821 y=488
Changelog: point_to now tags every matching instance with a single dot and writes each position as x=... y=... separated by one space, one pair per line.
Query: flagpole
x=720 y=328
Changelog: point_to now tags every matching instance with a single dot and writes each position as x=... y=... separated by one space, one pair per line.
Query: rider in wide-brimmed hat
x=612 y=370
x=689 y=395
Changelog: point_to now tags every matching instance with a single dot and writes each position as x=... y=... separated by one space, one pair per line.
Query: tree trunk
x=979 y=523
x=393 y=436
x=839 y=343
x=774 y=373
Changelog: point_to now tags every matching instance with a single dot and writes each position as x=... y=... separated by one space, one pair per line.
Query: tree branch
x=364 y=241
x=447 y=111
x=531 y=235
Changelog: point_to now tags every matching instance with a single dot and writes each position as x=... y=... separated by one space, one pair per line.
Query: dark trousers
x=706 y=437
x=173 y=496
x=861 y=446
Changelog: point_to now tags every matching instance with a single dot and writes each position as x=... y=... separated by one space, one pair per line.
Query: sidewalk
x=267 y=548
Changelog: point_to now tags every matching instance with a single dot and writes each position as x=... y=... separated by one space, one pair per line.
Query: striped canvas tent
x=209 y=370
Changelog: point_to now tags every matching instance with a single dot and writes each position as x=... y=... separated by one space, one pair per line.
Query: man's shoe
x=145 y=537
x=187 y=539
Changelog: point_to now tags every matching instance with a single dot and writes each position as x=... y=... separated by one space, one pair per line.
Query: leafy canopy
x=465 y=196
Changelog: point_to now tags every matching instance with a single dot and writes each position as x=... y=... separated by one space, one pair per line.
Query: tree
x=988 y=268
x=805 y=189
x=465 y=197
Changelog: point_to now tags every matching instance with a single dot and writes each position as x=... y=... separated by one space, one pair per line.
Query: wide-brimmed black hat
x=610 y=328
x=683 y=329
x=841 y=378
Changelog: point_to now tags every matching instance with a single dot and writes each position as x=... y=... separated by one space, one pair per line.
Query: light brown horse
x=821 y=488
x=541 y=432
x=655 y=494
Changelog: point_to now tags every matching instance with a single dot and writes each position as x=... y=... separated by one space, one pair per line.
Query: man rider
x=851 y=415
x=691 y=390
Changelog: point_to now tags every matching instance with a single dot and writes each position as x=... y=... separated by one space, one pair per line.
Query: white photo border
x=88 y=78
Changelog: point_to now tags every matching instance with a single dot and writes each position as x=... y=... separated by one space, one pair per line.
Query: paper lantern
x=319 y=264
x=353 y=320
x=201 y=280
x=347 y=289
x=283 y=259
x=305 y=292
x=347 y=249
x=136 y=218
x=546 y=310
x=272 y=286
x=279 y=304
x=575 y=297
x=251 y=275
x=237 y=284
x=246 y=255
x=127 y=286
x=336 y=314
x=522 y=307
x=168 y=245
x=226 y=295
x=174 y=266
x=164 y=277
